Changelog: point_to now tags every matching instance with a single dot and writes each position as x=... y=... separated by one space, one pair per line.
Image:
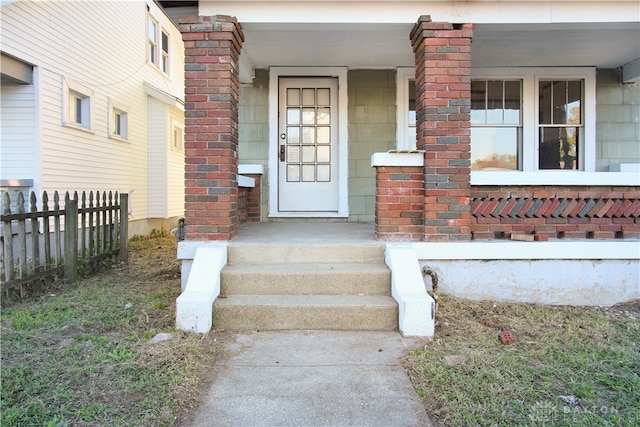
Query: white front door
x=308 y=145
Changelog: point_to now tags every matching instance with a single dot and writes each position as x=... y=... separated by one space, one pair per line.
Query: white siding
x=102 y=47
x=17 y=132
x=166 y=165
x=158 y=147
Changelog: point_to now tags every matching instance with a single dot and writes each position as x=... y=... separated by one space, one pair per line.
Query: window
x=153 y=41
x=496 y=124
x=77 y=106
x=165 y=52
x=533 y=119
x=177 y=132
x=157 y=45
x=118 y=120
x=406 y=108
x=560 y=124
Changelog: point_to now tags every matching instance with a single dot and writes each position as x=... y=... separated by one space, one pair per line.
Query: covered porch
x=236 y=63
x=299 y=93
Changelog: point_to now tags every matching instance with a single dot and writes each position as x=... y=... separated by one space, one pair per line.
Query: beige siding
x=102 y=47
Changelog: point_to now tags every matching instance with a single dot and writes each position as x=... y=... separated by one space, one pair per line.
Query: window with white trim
x=533 y=119
x=157 y=45
x=118 y=121
x=177 y=136
x=77 y=105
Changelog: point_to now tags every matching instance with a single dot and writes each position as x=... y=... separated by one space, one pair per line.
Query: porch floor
x=306 y=232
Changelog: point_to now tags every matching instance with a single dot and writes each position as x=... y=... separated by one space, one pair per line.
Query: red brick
x=506 y=337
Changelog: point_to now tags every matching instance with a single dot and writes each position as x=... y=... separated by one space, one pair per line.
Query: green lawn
x=589 y=355
x=78 y=356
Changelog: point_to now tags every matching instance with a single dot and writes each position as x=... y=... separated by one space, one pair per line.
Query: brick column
x=443 y=82
x=212 y=54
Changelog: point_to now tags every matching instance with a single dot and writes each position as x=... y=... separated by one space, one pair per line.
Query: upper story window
x=526 y=119
x=157 y=45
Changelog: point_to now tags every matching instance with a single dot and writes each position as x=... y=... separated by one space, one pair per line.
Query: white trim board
x=509 y=250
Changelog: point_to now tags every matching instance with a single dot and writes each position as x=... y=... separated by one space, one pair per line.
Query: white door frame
x=343 y=136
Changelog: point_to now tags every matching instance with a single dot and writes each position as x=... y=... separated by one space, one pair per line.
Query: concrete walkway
x=311 y=378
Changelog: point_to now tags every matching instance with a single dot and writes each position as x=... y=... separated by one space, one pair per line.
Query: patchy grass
x=568 y=366
x=79 y=356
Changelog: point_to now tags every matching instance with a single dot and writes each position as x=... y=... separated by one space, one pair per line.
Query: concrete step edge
x=359 y=301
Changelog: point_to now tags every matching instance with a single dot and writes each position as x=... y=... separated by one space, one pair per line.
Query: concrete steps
x=305 y=286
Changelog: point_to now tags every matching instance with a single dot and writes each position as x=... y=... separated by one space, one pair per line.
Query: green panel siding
x=618 y=120
x=372 y=128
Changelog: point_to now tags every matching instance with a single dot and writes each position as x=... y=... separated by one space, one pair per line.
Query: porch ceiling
x=606 y=45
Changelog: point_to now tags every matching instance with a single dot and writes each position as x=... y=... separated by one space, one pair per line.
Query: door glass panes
x=308 y=97
x=293 y=116
x=496 y=124
x=293 y=154
x=560 y=112
x=323 y=135
x=308 y=173
x=324 y=154
x=308 y=134
x=308 y=116
x=308 y=154
x=324 y=97
x=293 y=135
x=293 y=173
x=324 y=116
x=293 y=96
x=324 y=173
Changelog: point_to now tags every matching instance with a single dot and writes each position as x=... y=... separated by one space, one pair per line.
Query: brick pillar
x=443 y=82
x=212 y=54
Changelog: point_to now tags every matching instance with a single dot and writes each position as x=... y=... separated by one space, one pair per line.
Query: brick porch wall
x=212 y=52
x=590 y=212
x=251 y=203
x=399 y=203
